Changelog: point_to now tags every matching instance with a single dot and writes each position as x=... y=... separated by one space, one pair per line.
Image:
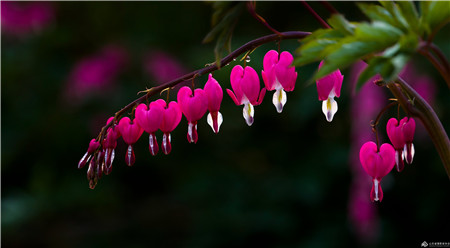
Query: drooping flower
x=131 y=132
x=193 y=106
x=408 y=127
x=329 y=87
x=377 y=163
x=395 y=134
x=171 y=119
x=214 y=93
x=246 y=87
x=150 y=119
x=279 y=75
x=93 y=145
x=109 y=145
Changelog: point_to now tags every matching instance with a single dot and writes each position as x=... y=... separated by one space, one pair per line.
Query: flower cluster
x=278 y=75
x=379 y=161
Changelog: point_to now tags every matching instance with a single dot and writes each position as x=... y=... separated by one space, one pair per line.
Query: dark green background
x=284 y=182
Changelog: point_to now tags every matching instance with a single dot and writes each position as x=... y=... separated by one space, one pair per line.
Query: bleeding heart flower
x=245 y=84
x=329 y=87
x=150 y=119
x=93 y=146
x=408 y=127
x=395 y=134
x=377 y=163
x=131 y=131
x=171 y=119
x=279 y=75
x=214 y=93
x=109 y=144
x=193 y=106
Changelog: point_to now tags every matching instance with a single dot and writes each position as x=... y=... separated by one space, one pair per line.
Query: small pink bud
x=193 y=107
x=109 y=145
x=214 y=93
x=93 y=146
x=329 y=87
x=279 y=75
x=377 y=163
x=246 y=87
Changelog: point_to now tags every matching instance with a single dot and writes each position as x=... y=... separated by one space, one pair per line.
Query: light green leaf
x=377 y=13
x=434 y=14
x=344 y=54
x=409 y=12
x=312 y=51
x=338 y=22
x=378 y=31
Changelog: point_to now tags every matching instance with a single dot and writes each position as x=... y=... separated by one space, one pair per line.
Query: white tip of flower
x=408 y=152
x=279 y=99
x=215 y=123
x=376 y=182
x=329 y=108
x=248 y=113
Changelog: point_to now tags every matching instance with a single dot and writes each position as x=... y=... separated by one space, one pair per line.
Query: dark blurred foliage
x=284 y=182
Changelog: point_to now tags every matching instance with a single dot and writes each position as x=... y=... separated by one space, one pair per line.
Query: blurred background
x=290 y=180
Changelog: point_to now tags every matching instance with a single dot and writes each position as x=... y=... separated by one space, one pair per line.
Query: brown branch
x=445 y=73
x=316 y=16
x=416 y=106
x=251 y=45
x=251 y=7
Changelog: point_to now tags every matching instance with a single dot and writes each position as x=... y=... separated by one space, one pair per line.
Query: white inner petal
x=329 y=108
x=279 y=99
x=210 y=121
x=375 y=181
x=248 y=113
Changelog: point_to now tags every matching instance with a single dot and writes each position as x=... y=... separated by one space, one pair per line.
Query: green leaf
x=396 y=13
x=377 y=13
x=376 y=65
x=378 y=31
x=312 y=51
x=344 y=54
x=225 y=23
x=434 y=14
x=409 y=12
x=223 y=43
x=338 y=22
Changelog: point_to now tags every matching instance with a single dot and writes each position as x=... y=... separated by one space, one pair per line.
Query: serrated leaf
x=338 y=22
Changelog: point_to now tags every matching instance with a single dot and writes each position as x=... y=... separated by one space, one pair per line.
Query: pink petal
x=130 y=131
x=235 y=79
x=395 y=133
x=270 y=59
x=149 y=118
x=214 y=94
x=233 y=97
x=387 y=154
x=250 y=84
x=172 y=117
x=408 y=126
